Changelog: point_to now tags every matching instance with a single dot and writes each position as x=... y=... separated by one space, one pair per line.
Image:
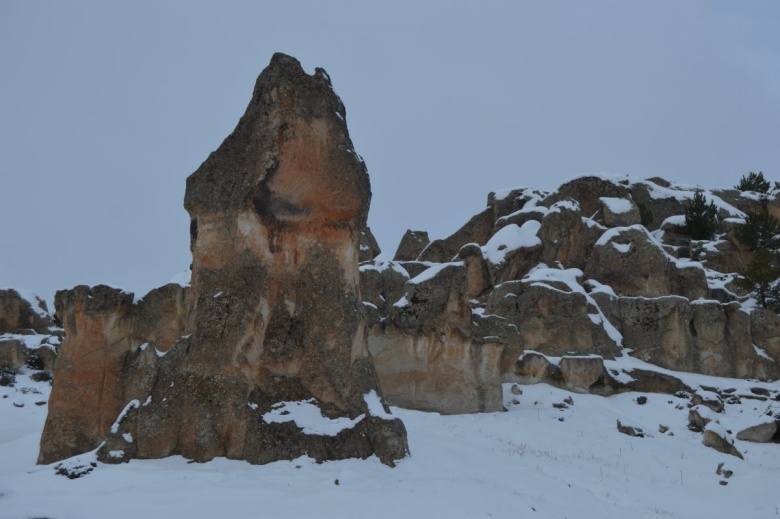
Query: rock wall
x=273 y=324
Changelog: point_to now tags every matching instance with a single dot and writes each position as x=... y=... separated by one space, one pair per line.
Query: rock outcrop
x=272 y=330
x=599 y=269
x=21 y=310
x=28 y=335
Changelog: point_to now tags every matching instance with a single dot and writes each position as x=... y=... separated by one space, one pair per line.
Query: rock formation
x=27 y=332
x=556 y=286
x=265 y=357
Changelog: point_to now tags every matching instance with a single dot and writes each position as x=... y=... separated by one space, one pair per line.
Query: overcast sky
x=107 y=107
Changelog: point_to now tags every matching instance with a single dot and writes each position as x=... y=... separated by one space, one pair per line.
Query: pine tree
x=762 y=278
x=760 y=232
x=753 y=182
x=701 y=218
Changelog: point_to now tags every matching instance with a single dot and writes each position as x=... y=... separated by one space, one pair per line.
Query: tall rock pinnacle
x=275 y=328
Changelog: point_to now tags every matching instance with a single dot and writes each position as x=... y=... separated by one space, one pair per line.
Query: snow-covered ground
x=533 y=461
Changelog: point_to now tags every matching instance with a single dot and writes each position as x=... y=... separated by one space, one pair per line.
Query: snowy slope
x=534 y=461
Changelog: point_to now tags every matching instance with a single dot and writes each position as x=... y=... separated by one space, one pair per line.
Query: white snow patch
x=128 y=437
x=622 y=248
x=510 y=238
x=401 y=302
x=617 y=205
x=761 y=352
x=432 y=271
x=375 y=407
x=677 y=220
x=564 y=205
x=380 y=266
x=217 y=294
x=133 y=404
x=116 y=454
x=308 y=417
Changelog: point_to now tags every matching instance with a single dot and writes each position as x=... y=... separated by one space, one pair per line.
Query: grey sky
x=105 y=109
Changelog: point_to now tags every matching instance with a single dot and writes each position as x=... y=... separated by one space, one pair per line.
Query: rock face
x=27 y=332
x=22 y=311
x=598 y=269
x=273 y=324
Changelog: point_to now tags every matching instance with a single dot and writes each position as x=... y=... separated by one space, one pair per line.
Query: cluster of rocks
x=707 y=408
x=289 y=310
x=553 y=286
x=28 y=336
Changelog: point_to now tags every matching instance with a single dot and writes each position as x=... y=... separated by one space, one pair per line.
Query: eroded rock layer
x=265 y=357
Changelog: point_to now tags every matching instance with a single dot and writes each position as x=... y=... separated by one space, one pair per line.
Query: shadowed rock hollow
x=265 y=356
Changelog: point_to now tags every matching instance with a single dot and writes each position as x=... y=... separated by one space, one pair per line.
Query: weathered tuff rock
x=718 y=439
x=633 y=264
x=432 y=354
x=663 y=297
x=760 y=433
x=273 y=321
x=411 y=245
x=27 y=332
x=23 y=313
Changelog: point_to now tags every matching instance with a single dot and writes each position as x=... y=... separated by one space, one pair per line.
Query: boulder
x=552 y=320
x=368 y=247
x=708 y=399
x=630 y=261
x=587 y=191
x=412 y=244
x=619 y=212
x=477 y=230
x=580 y=373
x=511 y=252
x=13 y=354
x=656 y=202
x=717 y=438
x=630 y=430
x=533 y=367
x=21 y=309
x=567 y=236
x=273 y=325
x=761 y=433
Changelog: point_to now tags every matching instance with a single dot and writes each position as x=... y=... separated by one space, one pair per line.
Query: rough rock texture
x=18 y=313
x=551 y=320
x=670 y=300
x=477 y=230
x=760 y=433
x=431 y=356
x=274 y=313
x=107 y=336
x=13 y=353
x=633 y=264
x=718 y=440
x=411 y=245
x=369 y=248
x=616 y=215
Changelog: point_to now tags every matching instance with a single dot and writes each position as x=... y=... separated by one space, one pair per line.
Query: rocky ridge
x=594 y=287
